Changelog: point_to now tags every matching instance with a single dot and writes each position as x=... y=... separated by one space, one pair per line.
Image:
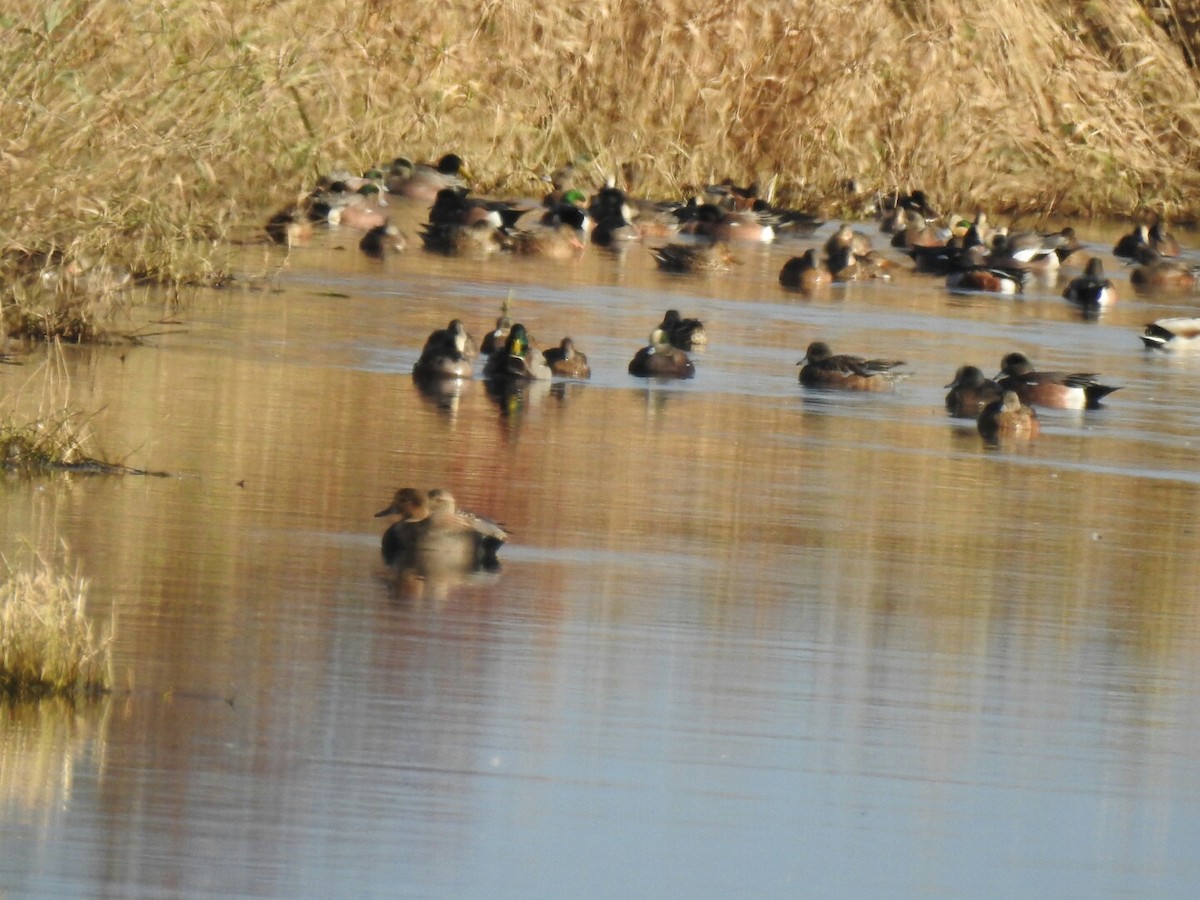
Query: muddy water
x=748 y=640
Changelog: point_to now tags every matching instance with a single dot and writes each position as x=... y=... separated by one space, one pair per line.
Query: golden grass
x=146 y=136
x=48 y=646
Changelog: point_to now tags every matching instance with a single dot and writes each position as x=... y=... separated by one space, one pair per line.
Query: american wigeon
x=661 y=360
x=684 y=258
x=382 y=240
x=1007 y=417
x=846 y=238
x=567 y=362
x=422 y=182
x=1091 y=291
x=730 y=226
x=970 y=392
x=362 y=210
x=447 y=353
x=975 y=274
x=1173 y=333
x=805 y=272
x=1024 y=252
x=686 y=334
x=1055 y=390
x=520 y=360
x=433 y=537
x=821 y=368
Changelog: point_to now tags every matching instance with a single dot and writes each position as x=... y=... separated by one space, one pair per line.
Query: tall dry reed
x=147 y=135
x=48 y=646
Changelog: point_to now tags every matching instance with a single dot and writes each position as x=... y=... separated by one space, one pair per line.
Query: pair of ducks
x=666 y=355
x=1004 y=406
x=433 y=537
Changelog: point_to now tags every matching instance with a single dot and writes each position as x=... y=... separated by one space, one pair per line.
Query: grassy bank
x=145 y=135
x=48 y=647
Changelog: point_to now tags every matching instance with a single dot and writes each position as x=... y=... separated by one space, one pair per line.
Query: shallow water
x=748 y=640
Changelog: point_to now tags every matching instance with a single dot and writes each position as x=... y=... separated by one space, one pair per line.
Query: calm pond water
x=748 y=640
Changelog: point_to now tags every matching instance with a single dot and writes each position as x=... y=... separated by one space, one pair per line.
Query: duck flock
x=700 y=234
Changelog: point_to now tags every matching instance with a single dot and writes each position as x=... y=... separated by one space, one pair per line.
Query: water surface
x=747 y=640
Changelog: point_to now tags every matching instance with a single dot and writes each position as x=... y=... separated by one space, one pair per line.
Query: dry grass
x=146 y=136
x=48 y=646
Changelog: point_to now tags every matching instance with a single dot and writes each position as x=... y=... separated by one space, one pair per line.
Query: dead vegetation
x=147 y=137
x=48 y=646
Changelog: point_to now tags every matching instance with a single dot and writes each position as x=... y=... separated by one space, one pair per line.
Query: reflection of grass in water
x=42 y=745
x=48 y=646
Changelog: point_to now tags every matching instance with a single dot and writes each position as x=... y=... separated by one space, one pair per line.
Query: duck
x=494 y=339
x=1127 y=245
x=399 y=540
x=519 y=360
x=362 y=210
x=447 y=353
x=478 y=239
x=422 y=182
x=661 y=360
x=612 y=216
x=434 y=537
x=821 y=368
x=892 y=209
x=1161 y=239
x=684 y=258
x=805 y=272
x=454 y=206
x=1172 y=333
x=1091 y=290
x=550 y=242
x=1007 y=417
x=567 y=362
x=382 y=240
x=1055 y=390
x=710 y=221
x=974 y=274
x=970 y=392
x=1160 y=275
x=686 y=334
x=289 y=227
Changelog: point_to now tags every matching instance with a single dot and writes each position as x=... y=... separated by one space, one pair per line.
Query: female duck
x=661 y=359
x=567 y=362
x=1007 y=417
x=823 y=369
x=970 y=392
x=447 y=353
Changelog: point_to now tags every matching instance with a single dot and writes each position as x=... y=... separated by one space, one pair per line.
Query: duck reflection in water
x=433 y=539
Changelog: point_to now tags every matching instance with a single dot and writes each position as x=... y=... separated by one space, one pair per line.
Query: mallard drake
x=1007 y=417
x=518 y=360
x=1056 y=390
x=567 y=362
x=661 y=360
x=970 y=392
x=821 y=368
